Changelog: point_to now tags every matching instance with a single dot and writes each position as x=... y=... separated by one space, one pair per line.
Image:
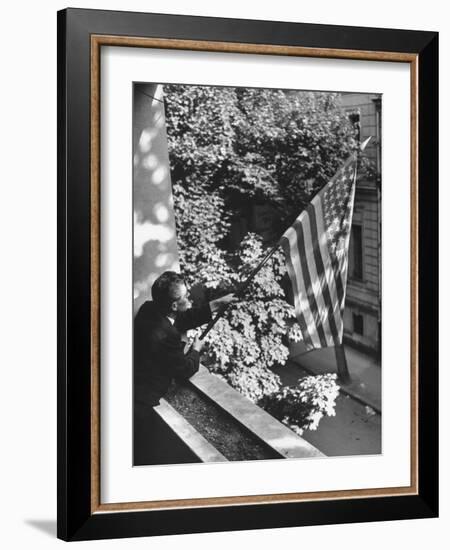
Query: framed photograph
x=247 y=274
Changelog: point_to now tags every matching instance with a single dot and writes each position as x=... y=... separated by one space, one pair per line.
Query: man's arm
x=193 y=318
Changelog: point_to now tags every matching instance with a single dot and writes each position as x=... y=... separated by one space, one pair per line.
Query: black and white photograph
x=256 y=274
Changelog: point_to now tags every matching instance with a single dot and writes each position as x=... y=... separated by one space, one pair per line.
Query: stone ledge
x=199 y=446
x=262 y=425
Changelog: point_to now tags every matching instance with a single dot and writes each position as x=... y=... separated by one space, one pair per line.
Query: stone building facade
x=363 y=302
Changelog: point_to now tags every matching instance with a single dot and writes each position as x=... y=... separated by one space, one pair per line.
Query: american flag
x=316 y=250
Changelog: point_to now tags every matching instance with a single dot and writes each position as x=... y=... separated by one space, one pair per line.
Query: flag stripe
x=318 y=281
x=322 y=276
x=308 y=286
x=337 y=278
x=299 y=314
x=329 y=273
x=347 y=241
x=303 y=305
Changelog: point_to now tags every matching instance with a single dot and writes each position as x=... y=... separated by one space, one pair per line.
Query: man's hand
x=198 y=344
x=227 y=299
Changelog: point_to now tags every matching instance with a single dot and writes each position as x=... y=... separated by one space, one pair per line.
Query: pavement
x=365 y=372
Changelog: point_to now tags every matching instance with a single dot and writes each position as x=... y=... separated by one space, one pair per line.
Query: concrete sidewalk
x=365 y=371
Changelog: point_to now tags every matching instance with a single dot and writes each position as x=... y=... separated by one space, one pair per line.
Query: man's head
x=170 y=294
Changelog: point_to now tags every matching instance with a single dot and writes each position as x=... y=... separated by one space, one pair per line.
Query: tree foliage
x=252 y=337
x=301 y=407
x=276 y=147
x=201 y=222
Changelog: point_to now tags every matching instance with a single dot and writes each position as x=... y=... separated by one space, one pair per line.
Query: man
x=159 y=355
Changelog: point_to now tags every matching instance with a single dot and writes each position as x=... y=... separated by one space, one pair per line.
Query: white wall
x=155 y=243
x=28 y=274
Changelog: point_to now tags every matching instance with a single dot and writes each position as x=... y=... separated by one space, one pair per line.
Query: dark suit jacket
x=159 y=351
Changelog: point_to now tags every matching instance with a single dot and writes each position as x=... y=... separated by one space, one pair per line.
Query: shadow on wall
x=155 y=245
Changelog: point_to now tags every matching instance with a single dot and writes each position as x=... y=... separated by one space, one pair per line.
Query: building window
x=358 y=324
x=356 y=253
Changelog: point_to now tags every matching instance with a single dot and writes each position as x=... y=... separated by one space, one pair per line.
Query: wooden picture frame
x=81 y=35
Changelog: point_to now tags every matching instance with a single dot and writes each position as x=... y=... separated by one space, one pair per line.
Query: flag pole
x=342 y=366
x=339 y=350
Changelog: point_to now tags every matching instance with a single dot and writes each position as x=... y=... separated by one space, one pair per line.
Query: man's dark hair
x=165 y=290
